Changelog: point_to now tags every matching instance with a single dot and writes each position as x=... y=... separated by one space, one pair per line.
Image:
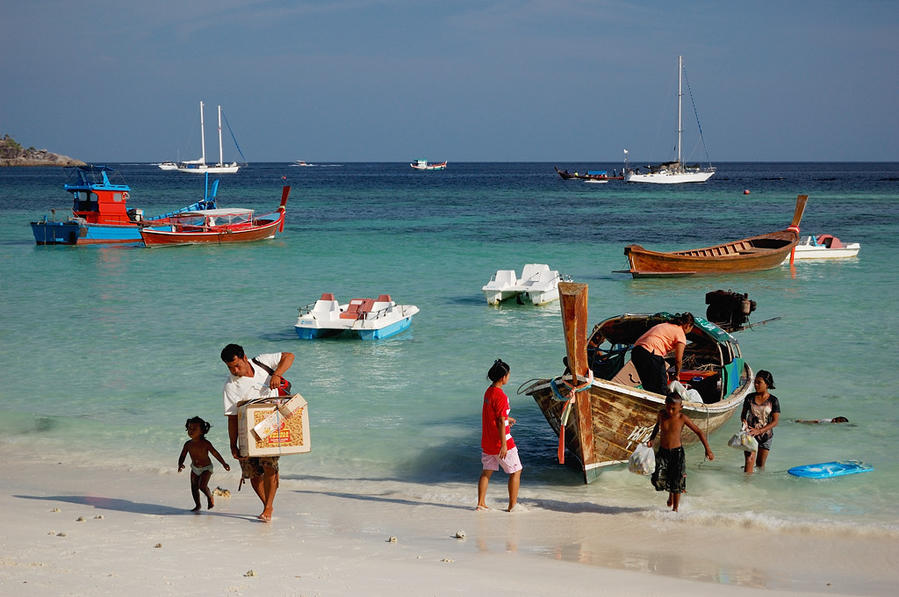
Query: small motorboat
x=538 y=285
x=370 y=319
x=591 y=175
x=426 y=165
x=825 y=246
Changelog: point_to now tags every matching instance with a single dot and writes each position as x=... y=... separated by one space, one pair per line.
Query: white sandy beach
x=72 y=530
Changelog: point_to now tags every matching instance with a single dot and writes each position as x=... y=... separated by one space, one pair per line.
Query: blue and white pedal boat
x=369 y=319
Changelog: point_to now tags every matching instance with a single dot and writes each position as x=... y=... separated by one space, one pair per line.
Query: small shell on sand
x=447 y=560
x=391 y=539
x=157 y=546
x=55 y=510
x=250 y=572
x=79 y=519
x=460 y=534
x=222 y=492
x=60 y=534
x=98 y=517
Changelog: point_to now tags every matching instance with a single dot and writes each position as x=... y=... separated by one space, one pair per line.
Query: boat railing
x=369 y=315
x=306 y=309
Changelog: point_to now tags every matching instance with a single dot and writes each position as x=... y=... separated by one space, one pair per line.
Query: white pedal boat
x=538 y=285
x=370 y=319
x=825 y=246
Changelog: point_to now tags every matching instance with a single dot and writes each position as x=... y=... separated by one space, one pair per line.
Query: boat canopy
x=625 y=329
x=597 y=172
x=236 y=211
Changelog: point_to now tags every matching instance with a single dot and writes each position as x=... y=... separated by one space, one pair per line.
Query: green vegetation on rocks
x=13 y=154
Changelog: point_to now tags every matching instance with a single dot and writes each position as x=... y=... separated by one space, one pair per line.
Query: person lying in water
x=816 y=421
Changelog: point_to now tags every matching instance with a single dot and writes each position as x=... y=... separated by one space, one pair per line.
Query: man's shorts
x=511 y=463
x=254 y=466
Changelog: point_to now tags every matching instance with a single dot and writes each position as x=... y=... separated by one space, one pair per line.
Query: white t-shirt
x=238 y=388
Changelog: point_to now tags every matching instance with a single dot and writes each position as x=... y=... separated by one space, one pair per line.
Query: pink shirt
x=661 y=338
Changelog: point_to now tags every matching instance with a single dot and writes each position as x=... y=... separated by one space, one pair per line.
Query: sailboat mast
x=221 y=160
x=680 y=96
x=202 y=134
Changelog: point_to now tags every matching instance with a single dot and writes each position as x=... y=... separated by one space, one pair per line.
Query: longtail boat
x=755 y=253
x=217 y=226
x=599 y=409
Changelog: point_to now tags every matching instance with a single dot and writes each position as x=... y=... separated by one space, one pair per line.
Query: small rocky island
x=13 y=154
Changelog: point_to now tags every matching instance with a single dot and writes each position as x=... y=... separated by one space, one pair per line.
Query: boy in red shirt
x=497 y=446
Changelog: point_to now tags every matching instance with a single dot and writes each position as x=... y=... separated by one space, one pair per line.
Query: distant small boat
x=370 y=319
x=590 y=175
x=217 y=226
x=755 y=253
x=538 y=285
x=167 y=166
x=300 y=163
x=426 y=165
x=825 y=246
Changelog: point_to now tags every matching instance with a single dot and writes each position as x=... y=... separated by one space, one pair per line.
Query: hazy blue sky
x=530 y=80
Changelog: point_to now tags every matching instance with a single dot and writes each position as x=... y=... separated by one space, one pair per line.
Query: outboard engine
x=728 y=309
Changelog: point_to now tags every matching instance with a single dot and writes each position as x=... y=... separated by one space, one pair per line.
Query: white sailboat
x=199 y=166
x=672 y=172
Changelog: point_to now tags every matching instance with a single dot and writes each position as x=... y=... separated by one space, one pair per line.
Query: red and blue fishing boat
x=100 y=213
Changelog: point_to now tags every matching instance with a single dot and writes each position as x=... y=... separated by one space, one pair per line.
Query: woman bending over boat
x=651 y=348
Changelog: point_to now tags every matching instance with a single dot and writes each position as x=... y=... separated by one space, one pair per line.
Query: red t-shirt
x=496 y=405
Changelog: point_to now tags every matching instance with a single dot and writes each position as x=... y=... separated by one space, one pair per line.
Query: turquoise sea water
x=108 y=350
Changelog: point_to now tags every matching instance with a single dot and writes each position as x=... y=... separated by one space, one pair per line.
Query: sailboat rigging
x=199 y=165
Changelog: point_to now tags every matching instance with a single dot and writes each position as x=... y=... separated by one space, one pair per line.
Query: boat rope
x=696 y=114
x=228 y=124
x=568 y=407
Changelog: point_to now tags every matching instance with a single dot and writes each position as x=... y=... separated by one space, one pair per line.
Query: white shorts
x=511 y=463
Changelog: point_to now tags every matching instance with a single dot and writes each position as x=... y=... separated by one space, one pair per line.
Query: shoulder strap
x=264 y=366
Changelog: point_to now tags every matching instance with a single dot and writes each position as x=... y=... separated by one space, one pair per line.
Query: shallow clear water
x=109 y=349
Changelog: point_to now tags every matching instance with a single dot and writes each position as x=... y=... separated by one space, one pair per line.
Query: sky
x=458 y=80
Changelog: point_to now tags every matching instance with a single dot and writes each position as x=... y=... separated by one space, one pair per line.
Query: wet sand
x=74 y=530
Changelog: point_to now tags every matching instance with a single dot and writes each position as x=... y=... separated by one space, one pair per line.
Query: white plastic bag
x=678 y=388
x=693 y=396
x=743 y=441
x=642 y=461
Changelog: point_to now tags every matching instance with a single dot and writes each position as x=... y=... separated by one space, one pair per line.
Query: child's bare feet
x=670 y=498
x=211 y=503
x=195 y=508
x=481 y=507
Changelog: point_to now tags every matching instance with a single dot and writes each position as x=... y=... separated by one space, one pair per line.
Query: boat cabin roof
x=90 y=177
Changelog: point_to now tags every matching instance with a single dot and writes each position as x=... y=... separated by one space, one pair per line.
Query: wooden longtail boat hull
x=261 y=230
x=607 y=420
x=755 y=253
x=258 y=229
x=622 y=417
